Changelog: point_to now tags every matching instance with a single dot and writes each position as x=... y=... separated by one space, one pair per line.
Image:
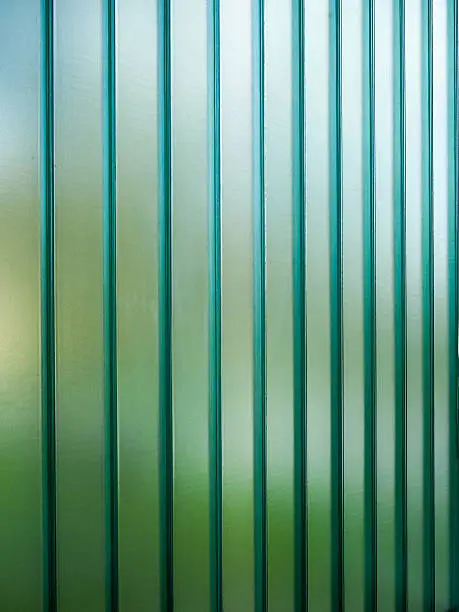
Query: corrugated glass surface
x=229 y=306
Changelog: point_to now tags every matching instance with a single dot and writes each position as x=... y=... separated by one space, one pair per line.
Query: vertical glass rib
x=400 y=306
x=47 y=308
x=215 y=422
x=299 y=311
x=369 y=304
x=453 y=229
x=428 y=305
x=111 y=423
x=259 y=315
x=165 y=304
x=336 y=307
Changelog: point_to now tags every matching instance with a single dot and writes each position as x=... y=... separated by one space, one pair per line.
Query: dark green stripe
x=401 y=540
x=428 y=306
x=336 y=309
x=48 y=364
x=299 y=310
x=259 y=313
x=111 y=423
x=453 y=260
x=369 y=304
x=215 y=418
x=165 y=306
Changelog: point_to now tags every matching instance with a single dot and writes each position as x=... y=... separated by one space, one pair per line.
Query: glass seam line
x=370 y=441
x=299 y=311
x=428 y=310
x=400 y=306
x=453 y=229
x=259 y=312
x=110 y=340
x=215 y=420
x=165 y=305
x=48 y=365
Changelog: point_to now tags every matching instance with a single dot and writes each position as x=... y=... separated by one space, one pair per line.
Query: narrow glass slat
x=137 y=293
x=21 y=568
x=440 y=245
x=190 y=306
x=353 y=315
x=453 y=271
x=400 y=304
x=385 y=263
x=316 y=68
x=237 y=305
x=279 y=312
x=428 y=305
x=414 y=304
x=79 y=306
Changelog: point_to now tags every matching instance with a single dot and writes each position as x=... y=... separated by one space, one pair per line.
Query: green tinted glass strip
x=401 y=541
x=428 y=305
x=215 y=370
x=110 y=350
x=259 y=313
x=453 y=261
x=165 y=306
x=299 y=310
x=336 y=308
x=369 y=303
x=48 y=363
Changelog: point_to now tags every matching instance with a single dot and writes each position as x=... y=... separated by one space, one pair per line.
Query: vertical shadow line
x=336 y=307
x=165 y=306
x=401 y=542
x=48 y=361
x=428 y=306
x=259 y=311
x=299 y=309
x=110 y=340
x=369 y=266
x=215 y=415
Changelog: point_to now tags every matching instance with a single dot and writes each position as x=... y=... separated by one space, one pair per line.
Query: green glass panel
x=279 y=308
x=137 y=293
x=190 y=306
x=414 y=304
x=318 y=303
x=352 y=77
x=237 y=304
x=385 y=398
x=79 y=306
x=440 y=194
x=20 y=436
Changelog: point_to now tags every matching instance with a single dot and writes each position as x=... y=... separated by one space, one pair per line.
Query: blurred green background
x=79 y=342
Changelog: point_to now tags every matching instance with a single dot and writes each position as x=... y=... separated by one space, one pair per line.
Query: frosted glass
x=279 y=305
x=20 y=435
x=441 y=398
x=318 y=303
x=237 y=304
x=138 y=305
x=189 y=306
x=352 y=62
x=79 y=321
x=414 y=304
x=385 y=356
